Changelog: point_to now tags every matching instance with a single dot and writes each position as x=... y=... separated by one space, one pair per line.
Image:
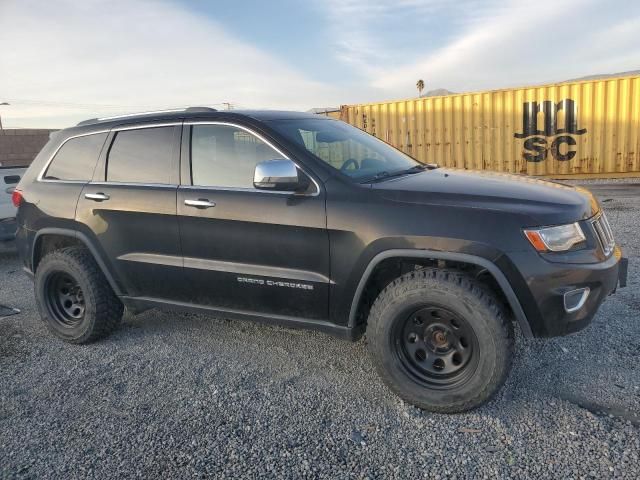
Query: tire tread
x=108 y=307
x=455 y=281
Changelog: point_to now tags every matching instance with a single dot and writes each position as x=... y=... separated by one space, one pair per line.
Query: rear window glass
x=141 y=156
x=76 y=159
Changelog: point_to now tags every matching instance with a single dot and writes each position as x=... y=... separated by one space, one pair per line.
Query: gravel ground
x=178 y=395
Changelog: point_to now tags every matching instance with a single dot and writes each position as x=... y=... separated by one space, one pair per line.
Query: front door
x=244 y=249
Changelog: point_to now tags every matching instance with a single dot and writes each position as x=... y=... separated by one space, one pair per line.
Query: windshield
x=346 y=148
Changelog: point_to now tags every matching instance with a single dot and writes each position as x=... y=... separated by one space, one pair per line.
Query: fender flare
x=504 y=284
x=87 y=243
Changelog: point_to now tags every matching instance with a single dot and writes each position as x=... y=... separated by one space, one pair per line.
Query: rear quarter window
x=76 y=158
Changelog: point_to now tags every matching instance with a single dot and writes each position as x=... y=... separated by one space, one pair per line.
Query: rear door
x=245 y=249
x=130 y=209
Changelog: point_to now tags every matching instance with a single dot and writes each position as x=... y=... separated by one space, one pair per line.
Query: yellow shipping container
x=573 y=129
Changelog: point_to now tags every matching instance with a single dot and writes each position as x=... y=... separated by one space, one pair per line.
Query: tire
x=440 y=340
x=74 y=298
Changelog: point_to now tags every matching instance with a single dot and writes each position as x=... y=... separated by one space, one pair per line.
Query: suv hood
x=545 y=202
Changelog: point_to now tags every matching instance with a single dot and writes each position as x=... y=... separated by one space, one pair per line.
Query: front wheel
x=440 y=340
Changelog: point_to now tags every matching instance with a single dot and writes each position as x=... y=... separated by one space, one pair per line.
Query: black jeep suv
x=309 y=222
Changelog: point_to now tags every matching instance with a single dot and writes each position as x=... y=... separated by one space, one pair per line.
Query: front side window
x=226 y=156
x=355 y=153
x=76 y=159
x=141 y=156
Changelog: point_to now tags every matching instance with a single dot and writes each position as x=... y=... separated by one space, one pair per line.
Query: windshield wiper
x=423 y=166
x=384 y=175
x=416 y=169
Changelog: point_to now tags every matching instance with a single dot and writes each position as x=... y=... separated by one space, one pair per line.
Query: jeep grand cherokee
x=309 y=222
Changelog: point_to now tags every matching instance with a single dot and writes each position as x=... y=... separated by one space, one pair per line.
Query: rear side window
x=141 y=156
x=76 y=159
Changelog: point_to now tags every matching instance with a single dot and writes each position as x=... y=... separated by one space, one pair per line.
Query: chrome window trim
x=41 y=178
x=200 y=187
x=246 y=189
x=133 y=184
x=49 y=180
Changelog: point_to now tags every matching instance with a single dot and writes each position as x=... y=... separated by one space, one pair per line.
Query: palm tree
x=420 y=86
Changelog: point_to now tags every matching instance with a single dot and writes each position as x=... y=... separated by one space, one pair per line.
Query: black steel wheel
x=65 y=299
x=437 y=347
x=440 y=339
x=74 y=297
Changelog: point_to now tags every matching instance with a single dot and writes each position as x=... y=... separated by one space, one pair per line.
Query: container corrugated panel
x=573 y=129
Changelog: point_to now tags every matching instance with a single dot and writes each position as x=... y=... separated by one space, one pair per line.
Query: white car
x=9 y=178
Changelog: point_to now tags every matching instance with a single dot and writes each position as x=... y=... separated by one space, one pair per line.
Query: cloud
x=131 y=56
x=363 y=30
x=507 y=44
x=616 y=47
x=485 y=45
x=68 y=60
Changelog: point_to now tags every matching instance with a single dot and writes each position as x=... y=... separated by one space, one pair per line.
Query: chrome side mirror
x=282 y=175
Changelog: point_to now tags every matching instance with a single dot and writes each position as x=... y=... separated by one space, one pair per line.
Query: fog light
x=575 y=299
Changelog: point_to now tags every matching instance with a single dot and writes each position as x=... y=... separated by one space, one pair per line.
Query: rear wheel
x=65 y=299
x=440 y=340
x=74 y=298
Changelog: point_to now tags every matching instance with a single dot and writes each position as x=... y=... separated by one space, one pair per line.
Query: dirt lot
x=190 y=396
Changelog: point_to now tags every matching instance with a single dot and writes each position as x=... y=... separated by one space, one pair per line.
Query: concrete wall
x=18 y=147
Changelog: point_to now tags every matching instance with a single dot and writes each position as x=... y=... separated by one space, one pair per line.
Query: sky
x=69 y=60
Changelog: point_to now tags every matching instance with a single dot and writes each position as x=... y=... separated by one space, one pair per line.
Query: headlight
x=555 y=239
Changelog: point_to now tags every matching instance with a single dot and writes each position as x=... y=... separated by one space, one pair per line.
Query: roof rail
x=87 y=122
x=199 y=109
x=173 y=110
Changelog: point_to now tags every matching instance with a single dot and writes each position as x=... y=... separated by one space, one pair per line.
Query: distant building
x=438 y=92
x=19 y=146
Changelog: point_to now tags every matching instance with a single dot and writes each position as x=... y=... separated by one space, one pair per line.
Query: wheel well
x=391 y=268
x=50 y=242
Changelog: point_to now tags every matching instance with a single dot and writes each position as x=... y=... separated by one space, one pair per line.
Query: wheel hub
x=65 y=299
x=440 y=338
x=437 y=338
x=437 y=346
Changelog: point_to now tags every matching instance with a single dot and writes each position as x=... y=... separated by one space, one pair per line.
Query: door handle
x=200 y=203
x=96 y=197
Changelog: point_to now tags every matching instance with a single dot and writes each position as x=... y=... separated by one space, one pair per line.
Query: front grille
x=604 y=233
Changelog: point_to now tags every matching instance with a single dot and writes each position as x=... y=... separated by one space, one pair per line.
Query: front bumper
x=546 y=283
